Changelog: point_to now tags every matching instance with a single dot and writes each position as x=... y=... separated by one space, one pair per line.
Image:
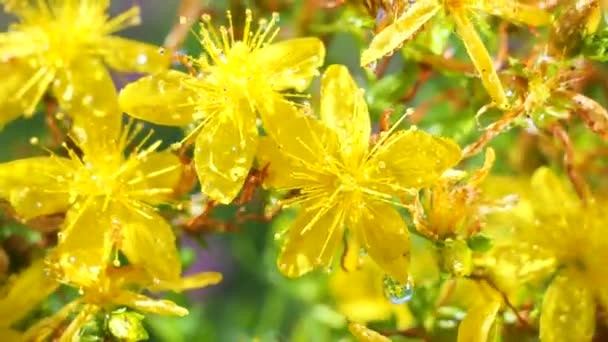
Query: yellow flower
x=555 y=229
x=115 y=287
x=108 y=198
x=344 y=181
x=234 y=78
x=64 y=46
x=421 y=11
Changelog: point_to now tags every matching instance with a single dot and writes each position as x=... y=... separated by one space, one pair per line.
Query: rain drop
x=396 y=292
x=34 y=140
x=142 y=59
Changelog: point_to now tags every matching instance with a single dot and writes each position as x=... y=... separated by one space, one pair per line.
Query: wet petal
x=148 y=241
x=292 y=63
x=514 y=11
x=477 y=324
x=413 y=158
x=282 y=172
x=384 y=235
x=86 y=91
x=22 y=87
x=480 y=57
x=84 y=245
x=364 y=334
x=156 y=176
x=401 y=30
x=36 y=186
x=303 y=139
x=130 y=56
x=191 y=282
x=568 y=311
x=20 y=298
x=163 y=99
x=343 y=109
x=142 y=303
x=224 y=152
x=313 y=240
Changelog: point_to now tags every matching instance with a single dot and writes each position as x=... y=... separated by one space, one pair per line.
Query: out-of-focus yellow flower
x=64 y=46
x=235 y=77
x=421 y=11
x=555 y=229
x=115 y=287
x=109 y=199
x=359 y=296
x=343 y=181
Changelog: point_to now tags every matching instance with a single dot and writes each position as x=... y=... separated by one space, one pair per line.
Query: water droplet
x=328 y=269
x=72 y=259
x=396 y=292
x=372 y=66
x=183 y=19
x=81 y=291
x=34 y=140
x=161 y=51
x=116 y=263
x=142 y=59
x=38 y=204
x=381 y=165
x=362 y=252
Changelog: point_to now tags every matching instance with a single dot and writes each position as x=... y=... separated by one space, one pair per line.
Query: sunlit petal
x=384 y=235
x=401 y=30
x=36 y=186
x=313 y=240
x=282 y=172
x=413 y=158
x=291 y=64
x=568 y=311
x=477 y=324
x=514 y=11
x=156 y=176
x=22 y=87
x=224 y=151
x=142 y=303
x=343 y=109
x=163 y=99
x=132 y=56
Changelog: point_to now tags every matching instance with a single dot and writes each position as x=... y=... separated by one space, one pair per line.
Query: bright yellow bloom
x=115 y=287
x=63 y=46
x=421 y=11
x=235 y=77
x=109 y=199
x=345 y=181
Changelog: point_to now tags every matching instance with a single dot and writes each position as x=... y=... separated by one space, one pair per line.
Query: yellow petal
x=148 y=241
x=477 y=324
x=480 y=57
x=224 y=151
x=130 y=56
x=413 y=158
x=384 y=235
x=364 y=334
x=343 y=109
x=25 y=291
x=282 y=171
x=155 y=177
x=191 y=282
x=568 y=311
x=513 y=10
x=22 y=87
x=36 y=186
x=291 y=64
x=163 y=99
x=18 y=44
x=146 y=304
x=84 y=245
x=313 y=240
x=86 y=91
x=301 y=138
x=10 y=335
x=401 y=30
x=549 y=190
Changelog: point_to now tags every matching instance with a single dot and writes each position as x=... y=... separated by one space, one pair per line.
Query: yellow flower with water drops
x=234 y=78
x=115 y=287
x=420 y=12
x=343 y=181
x=65 y=47
x=108 y=196
x=569 y=233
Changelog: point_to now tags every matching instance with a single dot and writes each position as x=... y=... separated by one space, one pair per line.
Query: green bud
x=456 y=257
x=479 y=243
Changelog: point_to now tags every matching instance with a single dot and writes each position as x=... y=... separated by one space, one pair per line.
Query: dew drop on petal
x=34 y=140
x=142 y=59
x=396 y=292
